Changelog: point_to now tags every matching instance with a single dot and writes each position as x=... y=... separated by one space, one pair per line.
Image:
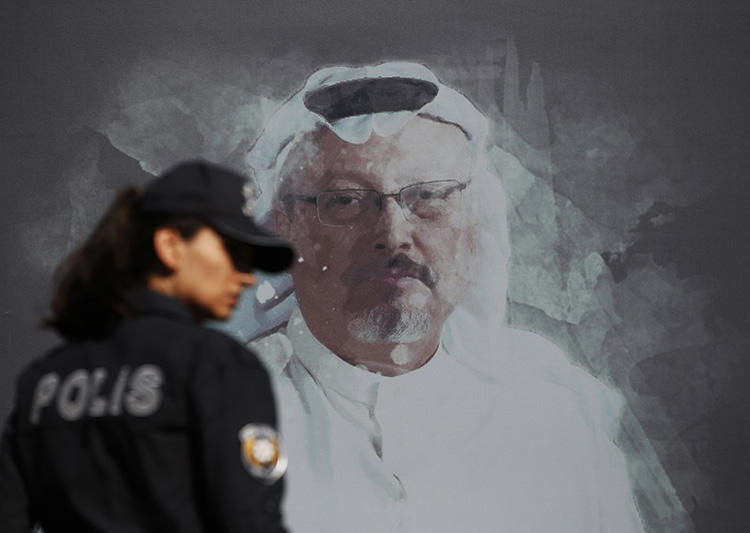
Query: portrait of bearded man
x=407 y=402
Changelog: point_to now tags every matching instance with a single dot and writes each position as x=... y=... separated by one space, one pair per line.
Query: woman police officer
x=144 y=420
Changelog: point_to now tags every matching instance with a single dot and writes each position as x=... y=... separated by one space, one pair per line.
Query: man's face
x=388 y=276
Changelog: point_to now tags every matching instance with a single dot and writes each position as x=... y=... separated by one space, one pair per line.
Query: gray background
x=629 y=244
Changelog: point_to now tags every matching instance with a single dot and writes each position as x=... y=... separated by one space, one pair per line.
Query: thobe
x=445 y=447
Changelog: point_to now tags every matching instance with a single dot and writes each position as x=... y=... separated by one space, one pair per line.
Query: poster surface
x=618 y=133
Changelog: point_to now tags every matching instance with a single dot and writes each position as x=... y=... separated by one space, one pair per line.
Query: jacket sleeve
x=15 y=513
x=239 y=457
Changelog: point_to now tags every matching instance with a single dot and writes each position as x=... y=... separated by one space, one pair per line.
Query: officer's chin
x=203 y=314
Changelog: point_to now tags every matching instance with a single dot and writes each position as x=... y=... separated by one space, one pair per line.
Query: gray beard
x=386 y=323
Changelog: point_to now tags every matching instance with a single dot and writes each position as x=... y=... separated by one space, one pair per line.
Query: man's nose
x=392 y=229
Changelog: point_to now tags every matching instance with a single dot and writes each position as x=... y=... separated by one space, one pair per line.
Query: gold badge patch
x=262 y=453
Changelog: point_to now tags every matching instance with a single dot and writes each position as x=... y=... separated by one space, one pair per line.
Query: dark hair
x=92 y=286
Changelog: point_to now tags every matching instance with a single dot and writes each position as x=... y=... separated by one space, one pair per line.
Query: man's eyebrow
x=346 y=180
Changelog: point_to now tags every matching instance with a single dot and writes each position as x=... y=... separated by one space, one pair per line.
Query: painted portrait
x=518 y=300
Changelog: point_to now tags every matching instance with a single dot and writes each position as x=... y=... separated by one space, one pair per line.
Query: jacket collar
x=147 y=302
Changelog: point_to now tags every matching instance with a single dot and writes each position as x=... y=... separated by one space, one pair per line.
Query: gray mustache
x=399 y=264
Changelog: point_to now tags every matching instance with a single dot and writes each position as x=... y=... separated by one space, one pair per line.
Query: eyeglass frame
x=397 y=196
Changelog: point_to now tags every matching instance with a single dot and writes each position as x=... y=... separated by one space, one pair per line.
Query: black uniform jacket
x=151 y=429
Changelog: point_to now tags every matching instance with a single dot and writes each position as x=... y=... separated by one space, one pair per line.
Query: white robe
x=445 y=448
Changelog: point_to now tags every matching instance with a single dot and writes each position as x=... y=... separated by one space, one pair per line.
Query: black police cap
x=222 y=198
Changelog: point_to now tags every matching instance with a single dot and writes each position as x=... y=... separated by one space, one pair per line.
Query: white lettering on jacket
x=96 y=393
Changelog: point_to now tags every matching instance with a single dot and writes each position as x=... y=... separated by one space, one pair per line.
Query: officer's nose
x=247 y=279
x=392 y=230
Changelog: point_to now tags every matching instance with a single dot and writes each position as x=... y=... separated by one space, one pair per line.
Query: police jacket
x=164 y=426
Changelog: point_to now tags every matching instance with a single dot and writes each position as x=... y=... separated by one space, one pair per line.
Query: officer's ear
x=169 y=246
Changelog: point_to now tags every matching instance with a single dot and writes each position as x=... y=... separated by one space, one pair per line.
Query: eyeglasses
x=432 y=201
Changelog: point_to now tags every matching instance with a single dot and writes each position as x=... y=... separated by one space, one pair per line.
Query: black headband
x=370 y=95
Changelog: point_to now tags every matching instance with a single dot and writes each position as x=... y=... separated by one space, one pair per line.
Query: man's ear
x=169 y=246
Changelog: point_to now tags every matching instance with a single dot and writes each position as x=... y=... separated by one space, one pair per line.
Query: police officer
x=144 y=420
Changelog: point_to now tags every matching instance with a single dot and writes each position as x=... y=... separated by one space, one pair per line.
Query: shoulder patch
x=261 y=451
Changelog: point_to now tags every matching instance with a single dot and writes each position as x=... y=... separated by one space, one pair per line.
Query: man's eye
x=344 y=200
x=340 y=200
x=435 y=193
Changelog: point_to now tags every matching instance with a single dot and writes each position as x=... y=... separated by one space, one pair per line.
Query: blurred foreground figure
x=145 y=421
x=407 y=403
